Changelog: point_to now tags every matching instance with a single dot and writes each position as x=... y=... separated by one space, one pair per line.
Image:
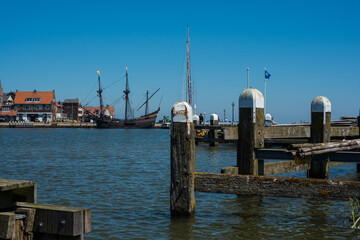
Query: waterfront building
x=35 y=106
x=7 y=112
x=72 y=109
x=1 y=94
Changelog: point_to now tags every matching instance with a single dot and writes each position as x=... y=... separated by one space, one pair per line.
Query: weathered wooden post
x=320 y=132
x=250 y=130
x=213 y=131
x=182 y=192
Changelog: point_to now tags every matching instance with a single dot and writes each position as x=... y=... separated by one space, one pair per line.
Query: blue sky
x=310 y=48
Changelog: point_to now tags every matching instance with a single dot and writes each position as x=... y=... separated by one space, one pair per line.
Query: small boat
x=105 y=120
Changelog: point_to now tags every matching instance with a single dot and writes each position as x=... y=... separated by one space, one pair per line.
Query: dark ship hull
x=146 y=121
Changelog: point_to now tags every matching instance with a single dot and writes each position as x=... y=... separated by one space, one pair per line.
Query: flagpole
x=264 y=91
x=247 y=77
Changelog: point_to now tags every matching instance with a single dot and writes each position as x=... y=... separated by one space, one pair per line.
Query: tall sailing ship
x=105 y=120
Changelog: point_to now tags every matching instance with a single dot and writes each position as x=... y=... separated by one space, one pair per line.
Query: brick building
x=72 y=109
x=35 y=106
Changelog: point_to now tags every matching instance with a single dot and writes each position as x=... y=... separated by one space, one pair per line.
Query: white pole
x=264 y=91
x=247 y=77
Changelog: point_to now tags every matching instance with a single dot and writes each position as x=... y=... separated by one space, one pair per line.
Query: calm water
x=123 y=176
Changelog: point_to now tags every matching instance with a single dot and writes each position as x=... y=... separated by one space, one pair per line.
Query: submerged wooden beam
x=276 y=186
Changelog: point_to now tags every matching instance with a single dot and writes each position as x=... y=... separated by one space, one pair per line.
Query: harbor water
x=123 y=175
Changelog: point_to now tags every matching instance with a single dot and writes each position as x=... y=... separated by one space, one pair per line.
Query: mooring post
x=213 y=132
x=182 y=190
x=320 y=133
x=250 y=130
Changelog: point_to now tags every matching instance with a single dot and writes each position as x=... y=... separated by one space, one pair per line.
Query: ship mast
x=189 y=87
x=100 y=96
x=147 y=101
x=127 y=91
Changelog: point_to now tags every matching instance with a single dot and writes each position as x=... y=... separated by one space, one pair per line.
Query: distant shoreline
x=55 y=125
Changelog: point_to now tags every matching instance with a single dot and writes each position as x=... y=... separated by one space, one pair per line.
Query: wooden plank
x=12 y=191
x=9 y=184
x=7 y=225
x=285 y=134
x=276 y=186
x=273 y=168
x=345 y=131
x=279 y=131
x=60 y=220
x=230 y=133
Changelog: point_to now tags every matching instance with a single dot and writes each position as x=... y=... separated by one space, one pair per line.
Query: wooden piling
x=320 y=133
x=182 y=190
x=250 y=130
x=213 y=132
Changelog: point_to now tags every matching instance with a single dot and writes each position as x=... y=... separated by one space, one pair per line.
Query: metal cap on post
x=250 y=130
x=214 y=119
x=320 y=133
x=196 y=119
x=182 y=190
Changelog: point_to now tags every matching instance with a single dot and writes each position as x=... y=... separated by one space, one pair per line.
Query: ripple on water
x=123 y=176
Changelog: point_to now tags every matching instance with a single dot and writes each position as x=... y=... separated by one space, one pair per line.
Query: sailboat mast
x=189 y=87
x=100 y=96
x=147 y=101
x=127 y=91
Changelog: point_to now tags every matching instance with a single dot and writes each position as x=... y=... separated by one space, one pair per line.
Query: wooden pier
x=22 y=218
x=247 y=176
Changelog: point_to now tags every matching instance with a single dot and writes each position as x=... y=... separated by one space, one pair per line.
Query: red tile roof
x=45 y=97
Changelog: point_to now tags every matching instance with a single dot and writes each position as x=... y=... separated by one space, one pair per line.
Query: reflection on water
x=123 y=176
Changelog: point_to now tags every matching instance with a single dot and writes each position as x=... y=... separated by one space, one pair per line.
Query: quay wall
x=47 y=125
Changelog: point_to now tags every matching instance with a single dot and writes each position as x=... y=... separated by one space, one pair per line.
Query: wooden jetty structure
x=248 y=176
x=22 y=218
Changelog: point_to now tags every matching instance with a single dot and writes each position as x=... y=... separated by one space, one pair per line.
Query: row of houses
x=41 y=106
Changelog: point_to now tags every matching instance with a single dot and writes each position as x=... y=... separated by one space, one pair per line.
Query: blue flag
x=267 y=75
